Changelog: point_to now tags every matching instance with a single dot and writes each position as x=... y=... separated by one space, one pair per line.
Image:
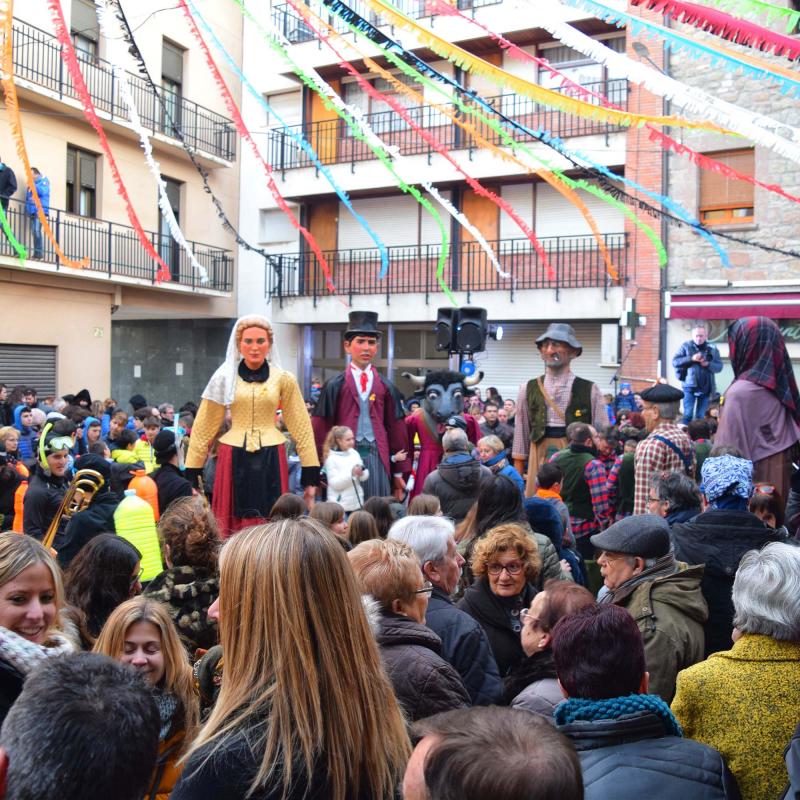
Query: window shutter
x=719 y=190
x=71 y=158
x=88 y=170
x=84 y=19
x=172 y=62
x=30 y=365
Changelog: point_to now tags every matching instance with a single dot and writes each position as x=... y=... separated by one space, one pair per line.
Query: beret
x=662 y=393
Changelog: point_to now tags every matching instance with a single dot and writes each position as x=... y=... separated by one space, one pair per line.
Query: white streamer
x=392 y=151
x=116 y=54
x=759 y=128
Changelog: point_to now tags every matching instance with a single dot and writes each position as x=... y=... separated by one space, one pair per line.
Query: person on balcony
x=364 y=401
x=8 y=184
x=42 y=185
x=251 y=458
x=547 y=404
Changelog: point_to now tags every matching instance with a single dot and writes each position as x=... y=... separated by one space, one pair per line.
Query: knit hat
x=727 y=475
x=644 y=535
x=137 y=402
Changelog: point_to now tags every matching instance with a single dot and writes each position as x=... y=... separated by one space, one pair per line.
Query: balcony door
x=172 y=85
x=168 y=248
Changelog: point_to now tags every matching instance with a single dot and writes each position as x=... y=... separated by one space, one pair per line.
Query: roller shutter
x=557 y=216
x=395 y=220
x=29 y=365
x=515 y=360
x=520 y=197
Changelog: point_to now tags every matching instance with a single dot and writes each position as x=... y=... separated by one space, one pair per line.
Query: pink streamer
x=71 y=60
x=233 y=110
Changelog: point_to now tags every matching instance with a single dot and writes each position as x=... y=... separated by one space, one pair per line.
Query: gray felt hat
x=644 y=535
x=561 y=332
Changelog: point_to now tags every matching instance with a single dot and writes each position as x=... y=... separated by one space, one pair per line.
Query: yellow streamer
x=15 y=123
x=477 y=66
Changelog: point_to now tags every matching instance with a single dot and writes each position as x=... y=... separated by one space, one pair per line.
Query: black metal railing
x=294 y=28
x=37 y=58
x=115 y=250
x=334 y=145
x=572 y=262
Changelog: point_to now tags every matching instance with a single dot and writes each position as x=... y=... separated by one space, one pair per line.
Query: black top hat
x=362 y=323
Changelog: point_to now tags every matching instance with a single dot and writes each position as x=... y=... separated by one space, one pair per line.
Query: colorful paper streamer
x=758 y=8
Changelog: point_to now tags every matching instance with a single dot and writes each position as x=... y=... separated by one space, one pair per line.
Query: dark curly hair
x=189 y=529
x=100 y=577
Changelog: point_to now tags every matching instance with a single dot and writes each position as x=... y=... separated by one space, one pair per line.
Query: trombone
x=83 y=487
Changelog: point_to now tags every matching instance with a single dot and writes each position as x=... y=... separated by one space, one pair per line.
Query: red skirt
x=222 y=502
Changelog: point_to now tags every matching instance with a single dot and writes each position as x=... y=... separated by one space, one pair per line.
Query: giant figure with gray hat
x=368 y=404
x=547 y=404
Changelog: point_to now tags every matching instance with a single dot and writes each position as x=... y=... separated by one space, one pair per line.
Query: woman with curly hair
x=104 y=574
x=190 y=584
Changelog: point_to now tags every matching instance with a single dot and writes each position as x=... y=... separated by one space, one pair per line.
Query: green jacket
x=670 y=612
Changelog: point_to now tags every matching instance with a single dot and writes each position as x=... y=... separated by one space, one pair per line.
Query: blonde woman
x=305 y=708
x=31 y=599
x=140 y=633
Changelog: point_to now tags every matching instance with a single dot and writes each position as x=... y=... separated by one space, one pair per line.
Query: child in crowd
x=144 y=446
x=23 y=422
x=344 y=468
x=625 y=400
x=548 y=487
x=361 y=527
x=612 y=417
x=331 y=515
x=124 y=451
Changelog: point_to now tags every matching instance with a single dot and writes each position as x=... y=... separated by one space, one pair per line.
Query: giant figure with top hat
x=368 y=404
x=547 y=404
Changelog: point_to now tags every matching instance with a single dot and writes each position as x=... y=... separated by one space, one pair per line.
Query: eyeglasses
x=138 y=577
x=609 y=559
x=514 y=568
x=764 y=488
x=427 y=588
x=654 y=500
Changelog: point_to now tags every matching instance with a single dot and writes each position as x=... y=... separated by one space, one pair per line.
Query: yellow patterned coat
x=745 y=702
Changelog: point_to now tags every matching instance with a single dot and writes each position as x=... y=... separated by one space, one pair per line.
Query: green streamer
x=22 y=254
x=380 y=153
x=758 y=7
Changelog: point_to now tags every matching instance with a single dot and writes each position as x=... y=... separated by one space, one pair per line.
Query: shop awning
x=779 y=305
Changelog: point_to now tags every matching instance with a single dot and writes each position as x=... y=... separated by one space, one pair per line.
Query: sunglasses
x=764 y=488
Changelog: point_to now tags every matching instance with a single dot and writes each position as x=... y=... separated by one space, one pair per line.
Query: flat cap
x=456 y=422
x=644 y=535
x=662 y=393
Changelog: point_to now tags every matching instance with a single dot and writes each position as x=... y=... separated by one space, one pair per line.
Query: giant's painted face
x=254 y=347
x=362 y=349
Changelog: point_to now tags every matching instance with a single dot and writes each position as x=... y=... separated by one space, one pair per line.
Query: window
x=168 y=248
x=83 y=29
x=81 y=182
x=172 y=83
x=384 y=119
x=728 y=201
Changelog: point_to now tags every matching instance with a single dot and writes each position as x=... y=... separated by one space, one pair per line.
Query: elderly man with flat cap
x=547 y=404
x=667 y=447
x=663 y=595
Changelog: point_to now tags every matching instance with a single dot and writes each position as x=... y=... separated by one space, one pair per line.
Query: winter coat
x=345 y=488
x=43 y=190
x=499 y=466
x=42 y=500
x=670 y=612
x=423 y=681
x=744 y=702
x=792 y=758
x=144 y=452
x=171 y=485
x=719 y=539
x=500 y=620
x=465 y=647
x=698 y=378
x=632 y=757
x=456 y=482
x=188 y=592
x=532 y=685
x=85 y=525
x=25 y=449
x=8 y=181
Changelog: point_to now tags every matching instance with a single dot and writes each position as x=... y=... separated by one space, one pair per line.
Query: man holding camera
x=695 y=365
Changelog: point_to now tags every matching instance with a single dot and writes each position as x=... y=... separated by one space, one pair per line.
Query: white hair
x=428 y=537
x=766 y=592
x=455 y=441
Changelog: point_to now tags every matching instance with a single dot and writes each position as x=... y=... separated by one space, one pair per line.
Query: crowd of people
x=547 y=605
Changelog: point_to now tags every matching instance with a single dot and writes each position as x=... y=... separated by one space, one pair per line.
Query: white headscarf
x=222 y=386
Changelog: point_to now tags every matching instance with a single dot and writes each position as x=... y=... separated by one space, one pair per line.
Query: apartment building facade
x=113 y=326
x=578 y=290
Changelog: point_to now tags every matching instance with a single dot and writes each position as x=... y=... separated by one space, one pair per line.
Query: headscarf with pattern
x=758 y=354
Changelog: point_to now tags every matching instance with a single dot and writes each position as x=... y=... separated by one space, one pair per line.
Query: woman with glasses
x=425 y=684
x=506 y=565
x=104 y=574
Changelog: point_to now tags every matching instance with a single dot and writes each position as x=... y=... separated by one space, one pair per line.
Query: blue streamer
x=678 y=43
x=371 y=32
x=300 y=141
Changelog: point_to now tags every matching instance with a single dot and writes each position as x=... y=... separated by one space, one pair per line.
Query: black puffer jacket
x=719 y=539
x=466 y=647
x=171 y=485
x=44 y=496
x=499 y=618
x=85 y=525
x=633 y=757
x=423 y=681
x=456 y=482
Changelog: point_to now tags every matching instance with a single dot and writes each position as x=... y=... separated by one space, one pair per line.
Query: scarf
x=24 y=655
x=548 y=494
x=665 y=565
x=167 y=704
x=758 y=354
x=576 y=709
x=496 y=463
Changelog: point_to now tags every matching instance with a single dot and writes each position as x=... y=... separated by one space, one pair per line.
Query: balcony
x=576 y=262
x=334 y=144
x=115 y=251
x=294 y=28
x=37 y=58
